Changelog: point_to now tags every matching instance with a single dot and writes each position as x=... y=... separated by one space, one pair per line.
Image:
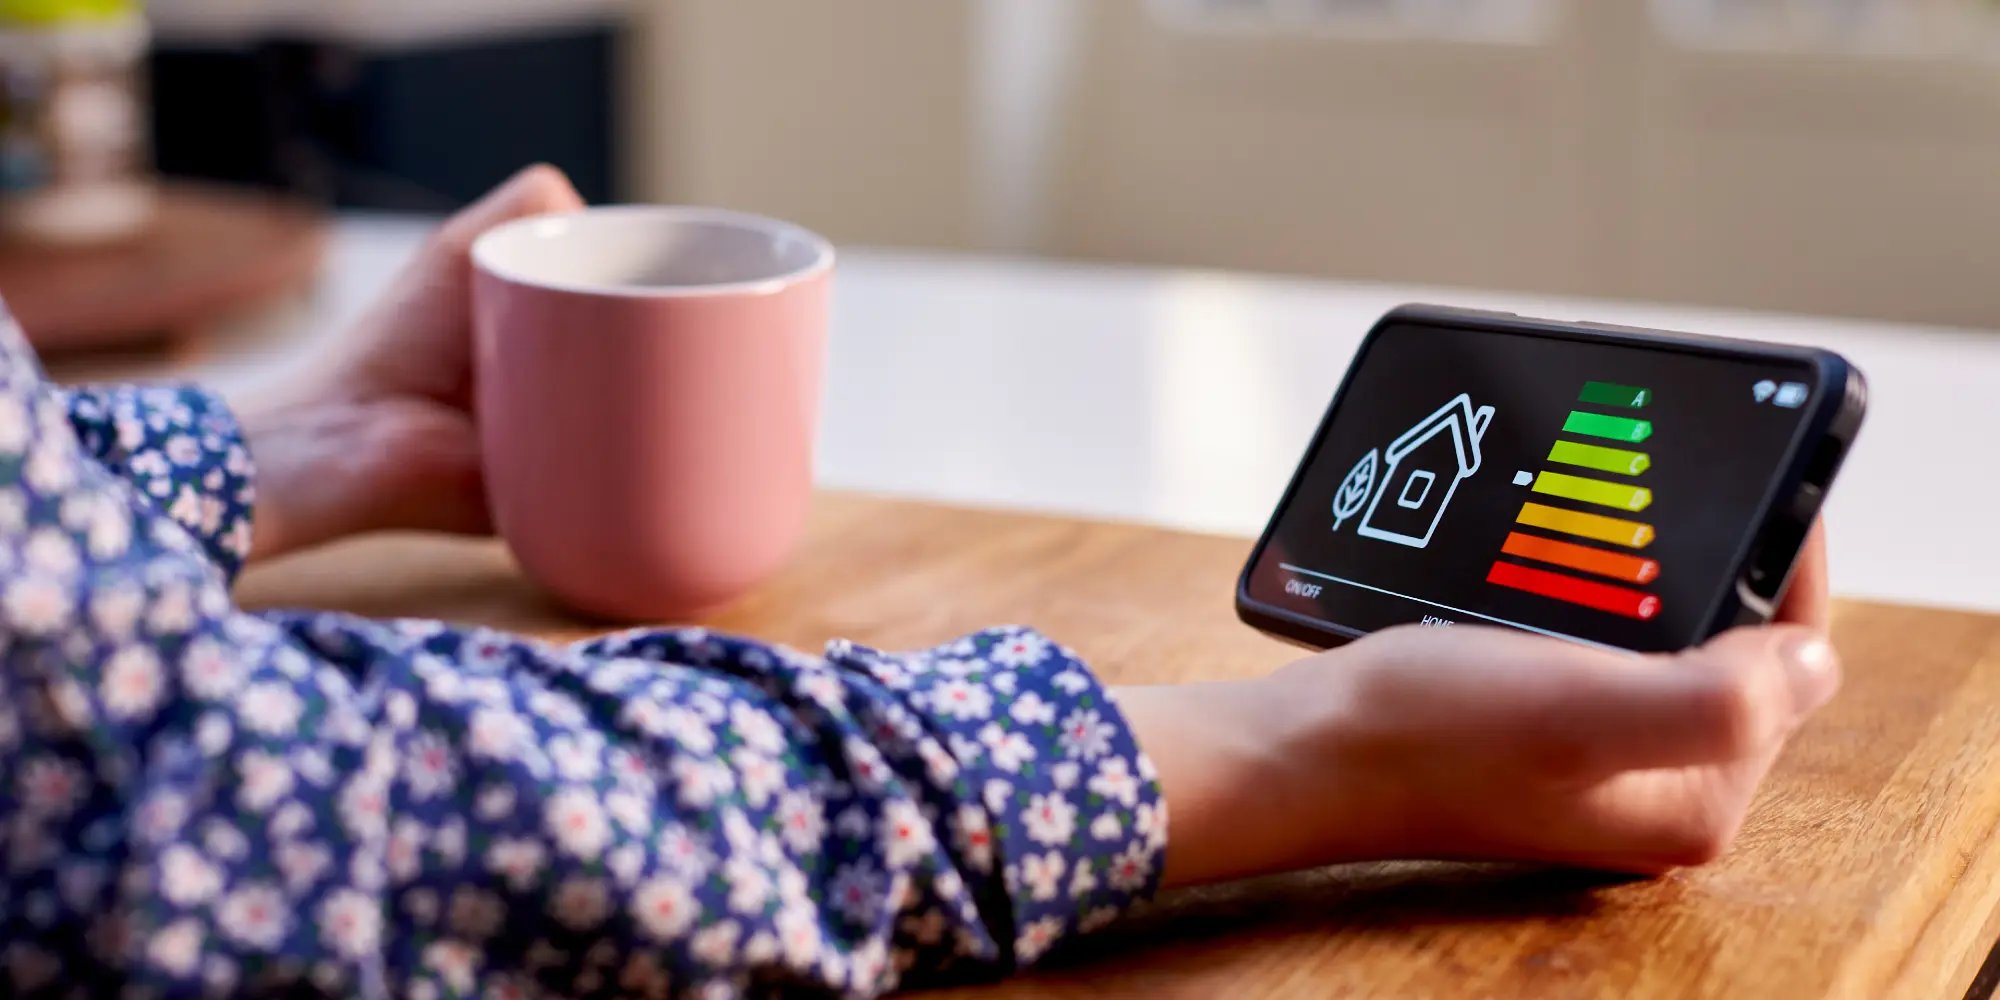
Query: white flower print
x=1116 y=782
x=182 y=450
x=1036 y=938
x=256 y=915
x=664 y=908
x=852 y=823
x=497 y=734
x=49 y=787
x=364 y=809
x=801 y=821
x=701 y=782
x=14 y=427
x=517 y=860
x=475 y=913
x=1032 y=709
x=302 y=864
x=13 y=510
x=212 y=733
x=404 y=854
x=824 y=689
x=1050 y=819
x=575 y=818
x=223 y=840
x=187 y=878
x=1085 y=734
x=995 y=794
x=173 y=607
x=1150 y=821
x=49 y=470
x=799 y=935
x=1023 y=649
x=350 y=923
x=1065 y=774
x=265 y=779
x=972 y=832
x=871 y=772
x=115 y=610
x=906 y=836
x=494 y=803
x=291 y=820
x=428 y=768
x=681 y=853
x=630 y=810
x=939 y=764
x=750 y=885
x=177 y=949
x=625 y=864
x=270 y=708
x=1106 y=827
x=576 y=759
x=759 y=776
x=714 y=946
x=36 y=605
x=687 y=729
x=1042 y=874
x=756 y=728
x=1082 y=880
x=209 y=671
x=50 y=551
x=455 y=964
x=580 y=904
x=1007 y=748
x=962 y=700
x=857 y=892
x=1071 y=682
x=1131 y=868
x=422 y=906
x=1005 y=683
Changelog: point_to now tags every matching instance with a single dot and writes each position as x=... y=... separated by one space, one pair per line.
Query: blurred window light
x=1485 y=21
x=1891 y=28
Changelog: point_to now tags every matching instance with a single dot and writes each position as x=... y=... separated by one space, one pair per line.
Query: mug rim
x=483 y=251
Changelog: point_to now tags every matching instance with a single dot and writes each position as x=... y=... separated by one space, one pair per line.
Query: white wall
x=1598 y=156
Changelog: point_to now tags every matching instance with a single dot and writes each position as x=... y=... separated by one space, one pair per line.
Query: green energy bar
x=1591 y=456
x=1615 y=428
x=1613 y=394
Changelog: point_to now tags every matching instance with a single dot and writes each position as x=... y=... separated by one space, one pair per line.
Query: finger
x=537 y=190
x=1806 y=601
x=1725 y=701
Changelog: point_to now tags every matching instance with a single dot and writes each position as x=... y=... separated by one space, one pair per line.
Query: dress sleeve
x=196 y=800
x=183 y=453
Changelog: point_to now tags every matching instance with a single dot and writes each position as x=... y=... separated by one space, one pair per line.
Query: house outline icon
x=1422 y=475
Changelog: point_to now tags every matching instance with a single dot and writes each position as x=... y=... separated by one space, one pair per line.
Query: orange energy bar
x=1583 y=557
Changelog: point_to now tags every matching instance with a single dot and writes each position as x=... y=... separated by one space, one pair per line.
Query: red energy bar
x=1589 y=593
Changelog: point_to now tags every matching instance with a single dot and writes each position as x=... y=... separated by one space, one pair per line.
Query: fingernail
x=1813 y=670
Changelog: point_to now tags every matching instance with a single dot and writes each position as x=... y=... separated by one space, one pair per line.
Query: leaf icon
x=1354 y=490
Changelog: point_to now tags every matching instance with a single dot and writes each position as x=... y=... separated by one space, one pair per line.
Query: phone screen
x=1598 y=492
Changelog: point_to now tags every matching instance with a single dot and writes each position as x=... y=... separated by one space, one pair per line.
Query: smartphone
x=1633 y=489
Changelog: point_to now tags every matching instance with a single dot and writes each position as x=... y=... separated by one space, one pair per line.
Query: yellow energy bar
x=1616 y=530
x=1623 y=496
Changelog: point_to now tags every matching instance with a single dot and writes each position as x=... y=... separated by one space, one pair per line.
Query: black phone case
x=1762 y=568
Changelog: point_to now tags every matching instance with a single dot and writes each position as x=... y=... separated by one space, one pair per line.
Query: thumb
x=537 y=190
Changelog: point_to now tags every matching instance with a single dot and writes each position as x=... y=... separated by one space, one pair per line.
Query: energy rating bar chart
x=1613 y=394
x=1591 y=456
x=1624 y=496
x=1589 y=593
x=1633 y=569
x=1619 y=494
x=1603 y=425
x=1616 y=530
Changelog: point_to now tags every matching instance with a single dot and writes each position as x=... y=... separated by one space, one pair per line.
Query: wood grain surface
x=1868 y=867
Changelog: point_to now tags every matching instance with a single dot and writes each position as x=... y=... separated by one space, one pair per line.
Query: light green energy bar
x=1613 y=394
x=1591 y=456
x=1603 y=426
x=1620 y=495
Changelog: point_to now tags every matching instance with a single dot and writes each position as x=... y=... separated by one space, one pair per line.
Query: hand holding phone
x=1629 y=489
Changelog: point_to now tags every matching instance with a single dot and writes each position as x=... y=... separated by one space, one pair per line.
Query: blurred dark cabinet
x=408 y=127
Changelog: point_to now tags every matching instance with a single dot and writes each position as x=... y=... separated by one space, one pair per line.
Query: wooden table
x=1868 y=868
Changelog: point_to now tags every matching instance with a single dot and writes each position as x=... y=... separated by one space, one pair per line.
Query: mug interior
x=651 y=250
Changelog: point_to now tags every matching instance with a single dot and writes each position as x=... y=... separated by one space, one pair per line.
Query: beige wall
x=1601 y=160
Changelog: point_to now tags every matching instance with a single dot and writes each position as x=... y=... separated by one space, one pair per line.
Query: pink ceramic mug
x=648 y=386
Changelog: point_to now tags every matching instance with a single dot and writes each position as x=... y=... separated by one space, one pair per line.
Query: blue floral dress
x=197 y=800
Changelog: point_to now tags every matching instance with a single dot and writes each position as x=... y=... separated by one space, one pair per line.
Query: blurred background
x=1828 y=156
x=1157 y=227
